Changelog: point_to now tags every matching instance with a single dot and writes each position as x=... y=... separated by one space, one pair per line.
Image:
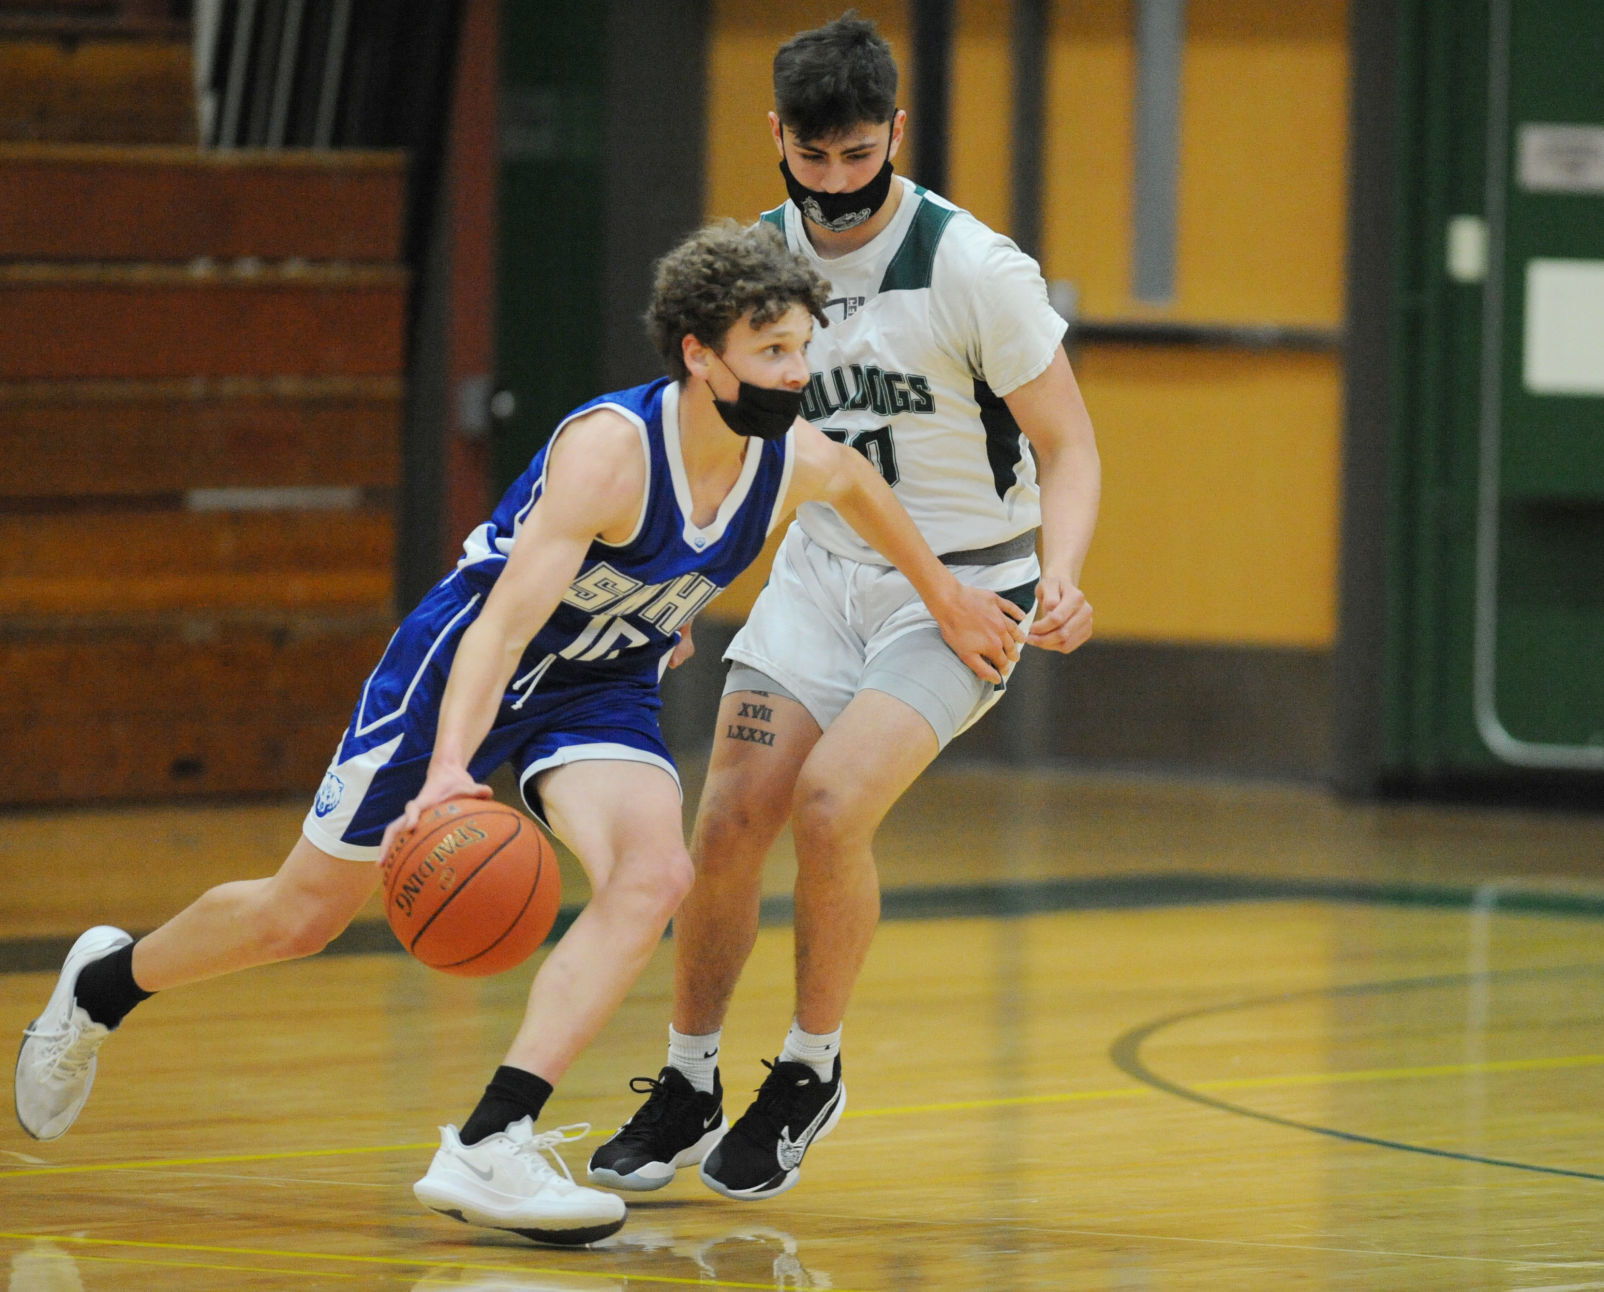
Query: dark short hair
x=719 y=274
x=835 y=77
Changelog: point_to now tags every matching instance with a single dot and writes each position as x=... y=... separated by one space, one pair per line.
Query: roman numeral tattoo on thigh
x=752 y=735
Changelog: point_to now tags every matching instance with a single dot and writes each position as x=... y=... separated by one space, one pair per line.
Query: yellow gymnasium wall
x=1221 y=467
x=742 y=168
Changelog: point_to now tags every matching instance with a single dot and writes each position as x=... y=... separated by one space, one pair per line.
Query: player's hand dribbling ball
x=473 y=888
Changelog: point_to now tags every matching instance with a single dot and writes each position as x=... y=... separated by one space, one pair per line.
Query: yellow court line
x=1125 y=1092
x=963 y=1105
x=8 y=1173
x=152 y=1263
x=1407 y=1074
x=1012 y=1101
x=1246 y=1083
x=397 y=1262
x=1199 y=1240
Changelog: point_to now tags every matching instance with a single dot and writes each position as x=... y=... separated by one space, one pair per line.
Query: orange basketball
x=473 y=889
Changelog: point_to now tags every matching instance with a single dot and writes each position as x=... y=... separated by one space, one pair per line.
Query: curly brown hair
x=719 y=274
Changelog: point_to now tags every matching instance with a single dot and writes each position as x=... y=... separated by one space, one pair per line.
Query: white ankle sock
x=816 y=1049
x=695 y=1056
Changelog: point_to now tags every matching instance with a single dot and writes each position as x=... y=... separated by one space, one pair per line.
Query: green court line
x=1126 y=1055
x=1011 y=899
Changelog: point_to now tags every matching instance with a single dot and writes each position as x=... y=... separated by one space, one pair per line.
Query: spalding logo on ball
x=473 y=888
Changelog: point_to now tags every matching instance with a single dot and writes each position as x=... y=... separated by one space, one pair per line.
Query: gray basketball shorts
x=826 y=627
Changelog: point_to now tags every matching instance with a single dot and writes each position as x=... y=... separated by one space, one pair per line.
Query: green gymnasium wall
x=1494 y=637
x=550 y=247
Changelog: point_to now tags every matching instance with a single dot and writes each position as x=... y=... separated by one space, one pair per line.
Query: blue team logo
x=328 y=795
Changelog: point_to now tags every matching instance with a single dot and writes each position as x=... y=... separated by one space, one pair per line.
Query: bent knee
x=673 y=877
x=826 y=814
x=732 y=826
x=655 y=883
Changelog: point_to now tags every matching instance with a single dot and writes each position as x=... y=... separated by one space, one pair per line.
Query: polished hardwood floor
x=1114 y=1033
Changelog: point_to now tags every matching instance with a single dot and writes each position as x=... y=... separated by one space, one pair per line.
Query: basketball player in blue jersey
x=544 y=649
x=943 y=364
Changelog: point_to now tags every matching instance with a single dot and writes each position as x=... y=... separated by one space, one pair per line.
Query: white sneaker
x=56 y=1065
x=507 y=1181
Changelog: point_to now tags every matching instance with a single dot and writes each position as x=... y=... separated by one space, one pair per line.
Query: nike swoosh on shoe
x=789 y=1151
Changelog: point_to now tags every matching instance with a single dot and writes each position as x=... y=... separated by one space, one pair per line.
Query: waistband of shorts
x=1010 y=549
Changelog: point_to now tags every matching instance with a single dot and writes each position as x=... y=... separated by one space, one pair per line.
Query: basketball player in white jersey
x=543 y=648
x=944 y=365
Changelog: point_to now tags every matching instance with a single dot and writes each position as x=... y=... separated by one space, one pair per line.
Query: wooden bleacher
x=95 y=71
x=200 y=399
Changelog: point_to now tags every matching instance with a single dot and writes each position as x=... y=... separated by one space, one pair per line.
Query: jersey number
x=875 y=445
x=605 y=637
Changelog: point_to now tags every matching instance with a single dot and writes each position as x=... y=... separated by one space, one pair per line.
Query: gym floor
x=1114 y=1033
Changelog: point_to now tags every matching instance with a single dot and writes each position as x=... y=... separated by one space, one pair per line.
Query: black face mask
x=839 y=212
x=762 y=412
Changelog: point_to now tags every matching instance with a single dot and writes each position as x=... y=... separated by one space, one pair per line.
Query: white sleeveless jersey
x=931 y=324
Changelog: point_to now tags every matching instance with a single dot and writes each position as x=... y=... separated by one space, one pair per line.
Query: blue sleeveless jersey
x=623 y=611
x=587 y=685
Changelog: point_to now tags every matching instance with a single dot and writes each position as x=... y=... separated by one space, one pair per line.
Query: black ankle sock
x=106 y=988
x=512 y=1095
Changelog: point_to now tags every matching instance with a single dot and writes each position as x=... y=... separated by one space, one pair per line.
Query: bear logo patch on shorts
x=328 y=795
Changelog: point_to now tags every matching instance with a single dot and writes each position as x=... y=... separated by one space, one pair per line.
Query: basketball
x=473 y=889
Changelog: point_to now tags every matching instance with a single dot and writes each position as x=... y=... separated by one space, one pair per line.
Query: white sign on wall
x=1561 y=159
x=1564 y=327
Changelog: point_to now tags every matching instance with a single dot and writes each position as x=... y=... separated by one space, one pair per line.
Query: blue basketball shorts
x=573 y=714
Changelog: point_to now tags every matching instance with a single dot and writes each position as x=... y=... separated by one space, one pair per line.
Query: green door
x=1539 y=624
x=1495 y=626
x=550 y=244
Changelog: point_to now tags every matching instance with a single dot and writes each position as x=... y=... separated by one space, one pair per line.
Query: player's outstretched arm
x=981 y=627
x=595 y=486
x=1053 y=416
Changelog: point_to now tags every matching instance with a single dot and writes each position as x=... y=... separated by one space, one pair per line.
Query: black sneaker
x=675 y=1127
x=762 y=1154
